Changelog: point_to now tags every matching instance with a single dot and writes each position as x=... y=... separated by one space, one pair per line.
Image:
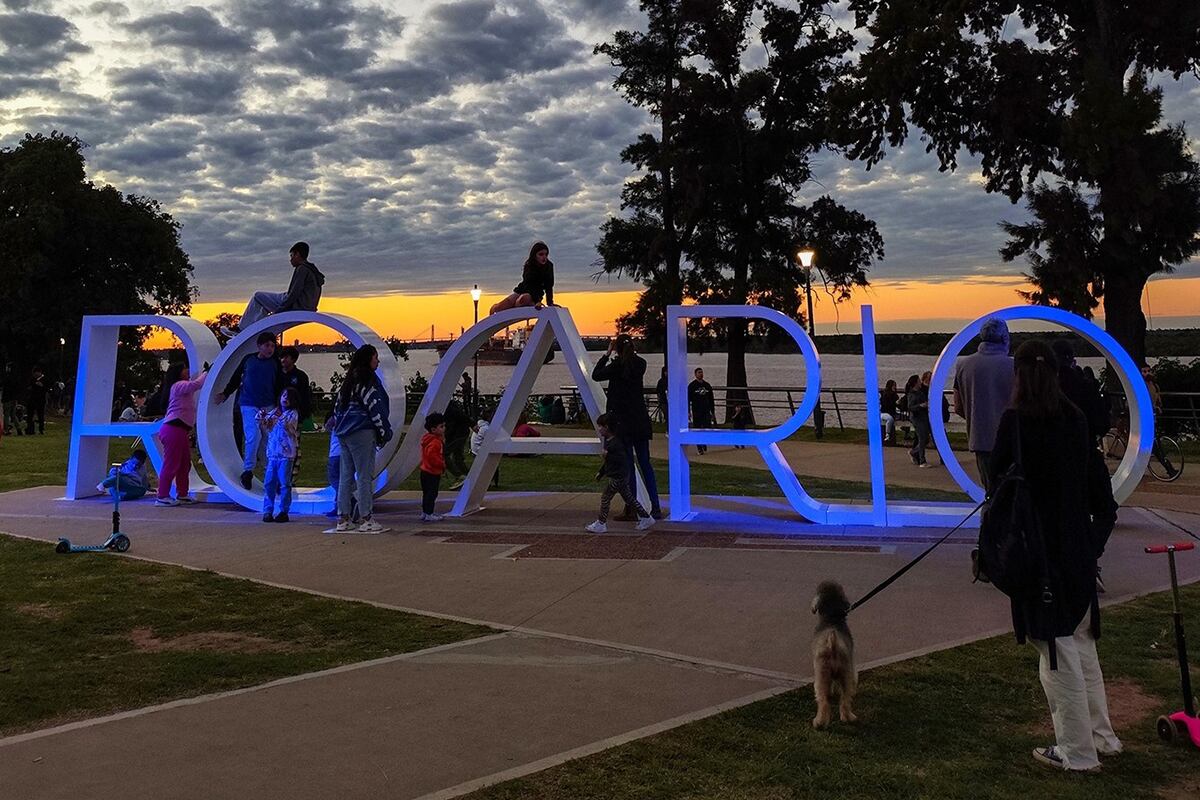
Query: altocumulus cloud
x=417 y=145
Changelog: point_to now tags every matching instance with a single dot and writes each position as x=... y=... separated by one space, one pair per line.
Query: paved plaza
x=599 y=639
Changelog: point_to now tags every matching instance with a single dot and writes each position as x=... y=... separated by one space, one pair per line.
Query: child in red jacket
x=433 y=464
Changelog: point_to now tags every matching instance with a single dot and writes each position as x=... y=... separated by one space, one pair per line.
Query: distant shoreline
x=1169 y=343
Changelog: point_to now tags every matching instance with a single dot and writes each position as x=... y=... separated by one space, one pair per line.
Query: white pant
x=260 y=305
x=1078 y=706
x=889 y=425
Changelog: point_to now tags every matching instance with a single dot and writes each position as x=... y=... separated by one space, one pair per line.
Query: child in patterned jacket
x=281 y=427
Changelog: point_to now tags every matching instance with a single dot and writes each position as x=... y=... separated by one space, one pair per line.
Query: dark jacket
x=298 y=380
x=626 y=396
x=304 y=292
x=702 y=402
x=888 y=398
x=616 y=460
x=918 y=402
x=537 y=282
x=257 y=381
x=1075 y=509
x=1086 y=398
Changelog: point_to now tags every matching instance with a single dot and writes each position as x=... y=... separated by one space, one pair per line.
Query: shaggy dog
x=833 y=654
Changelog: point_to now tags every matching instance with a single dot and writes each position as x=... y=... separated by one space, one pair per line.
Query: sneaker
x=247 y=479
x=914 y=458
x=924 y=465
x=166 y=501
x=282 y=517
x=596 y=527
x=370 y=526
x=1051 y=758
x=345 y=526
x=230 y=331
x=435 y=517
x=458 y=484
x=101 y=488
x=187 y=501
x=644 y=523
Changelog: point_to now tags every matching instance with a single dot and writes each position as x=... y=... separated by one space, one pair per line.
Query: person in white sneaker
x=1047 y=436
x=361 y=425
x=615 y=470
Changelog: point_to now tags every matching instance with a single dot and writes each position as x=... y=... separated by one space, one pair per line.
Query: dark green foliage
x=69 y=248
x=712 y=216
x=1055 y=99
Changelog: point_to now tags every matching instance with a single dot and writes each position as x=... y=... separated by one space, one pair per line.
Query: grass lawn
x=88 y=636
x=956 y=724
x=42 y=461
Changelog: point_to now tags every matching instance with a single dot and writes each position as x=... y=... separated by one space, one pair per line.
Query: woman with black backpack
x=1044 y=438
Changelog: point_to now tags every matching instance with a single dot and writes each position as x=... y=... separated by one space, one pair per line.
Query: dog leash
x=896 y=575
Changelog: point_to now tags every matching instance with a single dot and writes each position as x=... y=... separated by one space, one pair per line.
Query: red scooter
x=1182 y=725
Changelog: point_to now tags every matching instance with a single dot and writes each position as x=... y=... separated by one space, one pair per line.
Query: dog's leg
x=821 y=689
x=844 y=710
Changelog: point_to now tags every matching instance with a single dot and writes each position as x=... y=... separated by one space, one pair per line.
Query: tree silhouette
x=70 y=248
x=1048 y=92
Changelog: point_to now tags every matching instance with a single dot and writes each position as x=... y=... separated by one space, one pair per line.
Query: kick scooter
x=116 y=540
x=1181 y=726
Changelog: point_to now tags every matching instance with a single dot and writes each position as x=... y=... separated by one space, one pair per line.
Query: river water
x=762 y=370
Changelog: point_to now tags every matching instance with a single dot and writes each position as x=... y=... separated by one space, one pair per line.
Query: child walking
x=433 y=464
x=281 y=426
x=615 y=469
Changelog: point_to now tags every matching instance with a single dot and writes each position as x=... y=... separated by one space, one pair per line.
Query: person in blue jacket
x=258 y=380
x=361 y=425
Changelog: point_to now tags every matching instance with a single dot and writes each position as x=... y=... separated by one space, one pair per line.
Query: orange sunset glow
x=413 y=316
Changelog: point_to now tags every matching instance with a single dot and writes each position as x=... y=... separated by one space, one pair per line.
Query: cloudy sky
x=419 y=145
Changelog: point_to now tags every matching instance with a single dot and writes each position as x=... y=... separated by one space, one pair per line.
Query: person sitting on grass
x=132 y=477
x=433 y=464
x=303 y=294
x=281 y=427
x=615 y=471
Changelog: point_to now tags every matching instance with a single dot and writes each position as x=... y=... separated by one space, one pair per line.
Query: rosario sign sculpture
x=97 y=366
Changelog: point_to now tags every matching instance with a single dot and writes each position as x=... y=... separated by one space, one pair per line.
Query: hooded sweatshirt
x=304 y=292
x=432 y=459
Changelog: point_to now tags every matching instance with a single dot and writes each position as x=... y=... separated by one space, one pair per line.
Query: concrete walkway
x=600 y=640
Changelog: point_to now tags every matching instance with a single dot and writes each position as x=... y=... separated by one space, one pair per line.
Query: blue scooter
x=116 y=541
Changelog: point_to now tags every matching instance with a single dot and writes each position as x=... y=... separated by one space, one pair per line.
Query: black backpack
x=1012 y=550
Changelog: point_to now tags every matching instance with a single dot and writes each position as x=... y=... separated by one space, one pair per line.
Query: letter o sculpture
x=214 y=429
x=1141 y=415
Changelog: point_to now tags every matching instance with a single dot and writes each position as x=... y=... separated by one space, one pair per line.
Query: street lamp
x=62 y=358
x=806 y=256
x=475 y=295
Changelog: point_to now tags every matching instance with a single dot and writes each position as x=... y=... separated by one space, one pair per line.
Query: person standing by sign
x=175 y=434
x=361 y=425
x=625 y=370
x=982 y=390
x=1046 y=437
x=257 y=382
x=537 y=281
x=916 y=398
x=702 y=404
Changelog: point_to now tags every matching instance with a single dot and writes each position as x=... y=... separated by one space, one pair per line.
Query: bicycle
x=1166 y=459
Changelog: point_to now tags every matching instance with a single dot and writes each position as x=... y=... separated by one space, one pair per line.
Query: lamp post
x=62 y=358
x=806 y=256
x=475 y=295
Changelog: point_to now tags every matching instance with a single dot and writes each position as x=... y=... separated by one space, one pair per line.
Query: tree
x=742 y=140
x=69 y=249
x=226 y=319
x=648 y=245
x=1048 y=91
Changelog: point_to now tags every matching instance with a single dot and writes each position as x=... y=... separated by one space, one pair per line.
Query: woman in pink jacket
x=175 y=434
